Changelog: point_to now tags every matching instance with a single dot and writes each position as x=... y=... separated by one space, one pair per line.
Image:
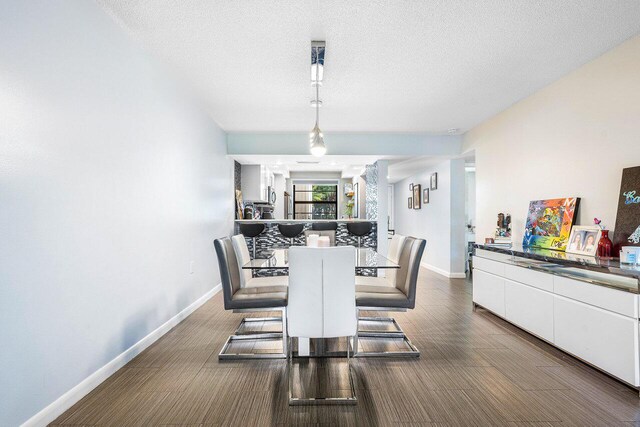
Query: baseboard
x=64 y=402
x=443 y=272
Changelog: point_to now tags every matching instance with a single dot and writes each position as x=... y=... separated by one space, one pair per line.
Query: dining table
x=278 y=259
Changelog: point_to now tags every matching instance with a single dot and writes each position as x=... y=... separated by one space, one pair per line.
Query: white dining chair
x=321 y=304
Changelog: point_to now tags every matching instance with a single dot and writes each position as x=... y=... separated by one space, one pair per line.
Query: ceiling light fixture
x=316 y=140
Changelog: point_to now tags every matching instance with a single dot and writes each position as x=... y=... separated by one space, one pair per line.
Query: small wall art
x=434 y=181
x=416 y=196
x=425 y=196
x=410 y=204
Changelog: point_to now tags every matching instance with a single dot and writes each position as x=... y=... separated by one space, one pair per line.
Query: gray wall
x=112 y=182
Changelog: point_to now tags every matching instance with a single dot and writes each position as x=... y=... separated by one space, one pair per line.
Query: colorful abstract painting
x=549 y=223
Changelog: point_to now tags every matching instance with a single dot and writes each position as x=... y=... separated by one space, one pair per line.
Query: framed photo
x=411 y=187
x=583 y=240
x=416 y=196
x=434 y=181
x=425 y=196
x=410 y=205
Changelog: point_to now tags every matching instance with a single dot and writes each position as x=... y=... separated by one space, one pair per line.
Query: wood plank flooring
x=475 y=369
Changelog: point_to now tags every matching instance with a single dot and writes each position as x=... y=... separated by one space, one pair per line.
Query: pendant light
x=316 y=141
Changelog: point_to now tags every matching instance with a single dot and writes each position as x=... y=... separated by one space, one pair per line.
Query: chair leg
x=285 y=335
x=412 y=352
x=257 y=336
x=351 y=400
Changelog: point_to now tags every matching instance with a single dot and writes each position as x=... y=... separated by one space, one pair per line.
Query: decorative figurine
x=504 y=225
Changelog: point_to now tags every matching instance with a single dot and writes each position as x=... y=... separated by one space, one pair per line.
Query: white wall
x=111 y=182
x=572 y=138
x=470 y=204
x=441 y=221
x=279 y=188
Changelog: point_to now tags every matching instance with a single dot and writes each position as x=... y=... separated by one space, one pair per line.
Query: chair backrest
x=251 y=229
x=317 y=226
x=395 y=246
x=329 y=233
x=243 y=257
x=322 y=292
x=229 y=272
x=359 y=228
x=409 y=261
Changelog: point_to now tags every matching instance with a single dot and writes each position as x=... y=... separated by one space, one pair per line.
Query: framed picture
x=627 y=231
x=584 y=240
x=410 y=205
x=425 y=196
x=549 y=223
x=411 y=187
x=434 y=181
x=416 y=196
x=356 y=201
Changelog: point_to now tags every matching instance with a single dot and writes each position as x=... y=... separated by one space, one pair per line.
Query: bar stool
x=320 y=226
x=359 y=229
x=291 y=231
x=252 y=230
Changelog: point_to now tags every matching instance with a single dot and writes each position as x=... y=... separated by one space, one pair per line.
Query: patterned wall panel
x=271 y=238
x=371 y=193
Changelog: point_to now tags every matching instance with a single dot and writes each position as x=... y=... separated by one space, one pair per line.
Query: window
x=314 y=201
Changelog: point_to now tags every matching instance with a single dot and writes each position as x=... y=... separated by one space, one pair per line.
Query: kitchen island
x=271 y=237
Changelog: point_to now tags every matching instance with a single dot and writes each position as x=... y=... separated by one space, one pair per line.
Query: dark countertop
x=562 y=259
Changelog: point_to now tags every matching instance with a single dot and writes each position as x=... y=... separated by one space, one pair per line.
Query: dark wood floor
x=475 y=369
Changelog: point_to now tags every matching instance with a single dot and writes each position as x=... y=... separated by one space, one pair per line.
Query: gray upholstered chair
x=248 y=299
x=399 y=296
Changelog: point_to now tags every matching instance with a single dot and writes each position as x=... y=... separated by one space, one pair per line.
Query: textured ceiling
x=395 y=66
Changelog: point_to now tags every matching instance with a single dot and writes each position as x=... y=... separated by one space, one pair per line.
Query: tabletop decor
x=584 y=239
x=627 y=230
x=549 y=223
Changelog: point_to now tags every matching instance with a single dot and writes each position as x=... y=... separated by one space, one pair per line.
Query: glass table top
x=365 y=258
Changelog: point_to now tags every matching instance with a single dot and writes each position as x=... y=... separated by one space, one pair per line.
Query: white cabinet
x=605 y=339
x=256 y=179
x=488 y=291
x=624 y=303
x=595 y=323
x=529 y=308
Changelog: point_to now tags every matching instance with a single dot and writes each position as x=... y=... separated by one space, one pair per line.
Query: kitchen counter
x=272 y=238
x=302 y=220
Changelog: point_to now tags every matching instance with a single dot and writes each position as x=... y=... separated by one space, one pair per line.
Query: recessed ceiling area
x=412 y=66
x=400 y=167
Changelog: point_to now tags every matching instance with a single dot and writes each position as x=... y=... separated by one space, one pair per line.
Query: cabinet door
x=606 y=339
x=488 y=291
x=529 y=308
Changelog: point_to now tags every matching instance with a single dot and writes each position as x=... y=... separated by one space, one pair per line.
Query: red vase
x=605 y=245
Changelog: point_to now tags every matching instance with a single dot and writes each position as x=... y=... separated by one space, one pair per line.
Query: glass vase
x=605 y=246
